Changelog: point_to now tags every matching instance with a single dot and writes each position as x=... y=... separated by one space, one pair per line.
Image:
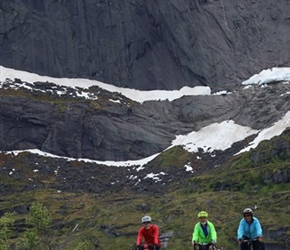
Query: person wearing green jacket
x=204 y=232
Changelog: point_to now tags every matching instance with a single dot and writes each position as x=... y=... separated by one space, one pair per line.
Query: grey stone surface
x=125 y=130
x=163 y=44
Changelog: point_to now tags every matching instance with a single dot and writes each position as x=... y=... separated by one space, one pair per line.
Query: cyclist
x=150 y=233
x=204 y=232
x=250 y=228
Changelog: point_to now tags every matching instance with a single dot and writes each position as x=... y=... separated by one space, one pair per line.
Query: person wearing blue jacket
x=250 y=228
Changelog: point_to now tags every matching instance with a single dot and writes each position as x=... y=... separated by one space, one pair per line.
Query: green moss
x=175 y=156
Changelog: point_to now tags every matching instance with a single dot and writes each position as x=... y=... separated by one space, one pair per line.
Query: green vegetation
x=6 y=223
x=112 y=219
x=175 y=156
x=106 y=220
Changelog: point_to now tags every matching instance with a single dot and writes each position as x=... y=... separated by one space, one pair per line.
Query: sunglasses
x=247 y=215
x=147 y=222
x=202 y=217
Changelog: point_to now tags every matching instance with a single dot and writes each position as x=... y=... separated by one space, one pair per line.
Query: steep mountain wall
x=162 y=44
x=113 y=127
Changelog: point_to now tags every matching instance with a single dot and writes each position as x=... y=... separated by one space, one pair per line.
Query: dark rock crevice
x=212 y=43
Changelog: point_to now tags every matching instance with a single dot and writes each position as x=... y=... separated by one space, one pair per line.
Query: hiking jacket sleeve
x=140 y=236
x=195 y=232
x=259 y=228
x=213 y=234
x=156 y=234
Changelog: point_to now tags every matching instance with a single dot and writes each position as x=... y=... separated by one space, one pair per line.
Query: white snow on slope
x=269 y=75
x=215 y=136
x=268 y=133
x=133 y=94
x=128 y=163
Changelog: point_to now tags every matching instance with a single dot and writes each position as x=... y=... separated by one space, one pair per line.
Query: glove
x=259 y=238
x=193 y=243
x=156 y=247
x=213 y=242
x=138 y=247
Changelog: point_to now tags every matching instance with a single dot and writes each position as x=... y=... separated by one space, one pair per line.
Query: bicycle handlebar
x=247 y=240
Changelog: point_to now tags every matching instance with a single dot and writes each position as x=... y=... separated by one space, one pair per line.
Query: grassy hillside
x=110 y=219
x=113 y=219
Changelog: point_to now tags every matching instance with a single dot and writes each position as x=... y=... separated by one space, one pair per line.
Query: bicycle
x=203 y=246
x=248 y=244
x=148 y=247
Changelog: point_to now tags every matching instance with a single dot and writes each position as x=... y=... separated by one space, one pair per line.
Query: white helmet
x=146 y=219
x=248 y=211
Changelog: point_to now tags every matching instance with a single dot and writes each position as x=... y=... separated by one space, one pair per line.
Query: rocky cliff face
x=146 y=44
x=163 y=44
x=113 y=127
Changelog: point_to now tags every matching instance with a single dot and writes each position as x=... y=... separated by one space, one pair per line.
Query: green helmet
x=202 y=214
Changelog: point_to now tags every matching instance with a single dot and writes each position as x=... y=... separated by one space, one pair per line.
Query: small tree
x=39 y=217
x=6 y=222
x=82 y=246
x=37 y=236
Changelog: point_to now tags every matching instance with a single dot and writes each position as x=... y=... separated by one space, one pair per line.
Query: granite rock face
x=113 y=127
x=164 y=44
